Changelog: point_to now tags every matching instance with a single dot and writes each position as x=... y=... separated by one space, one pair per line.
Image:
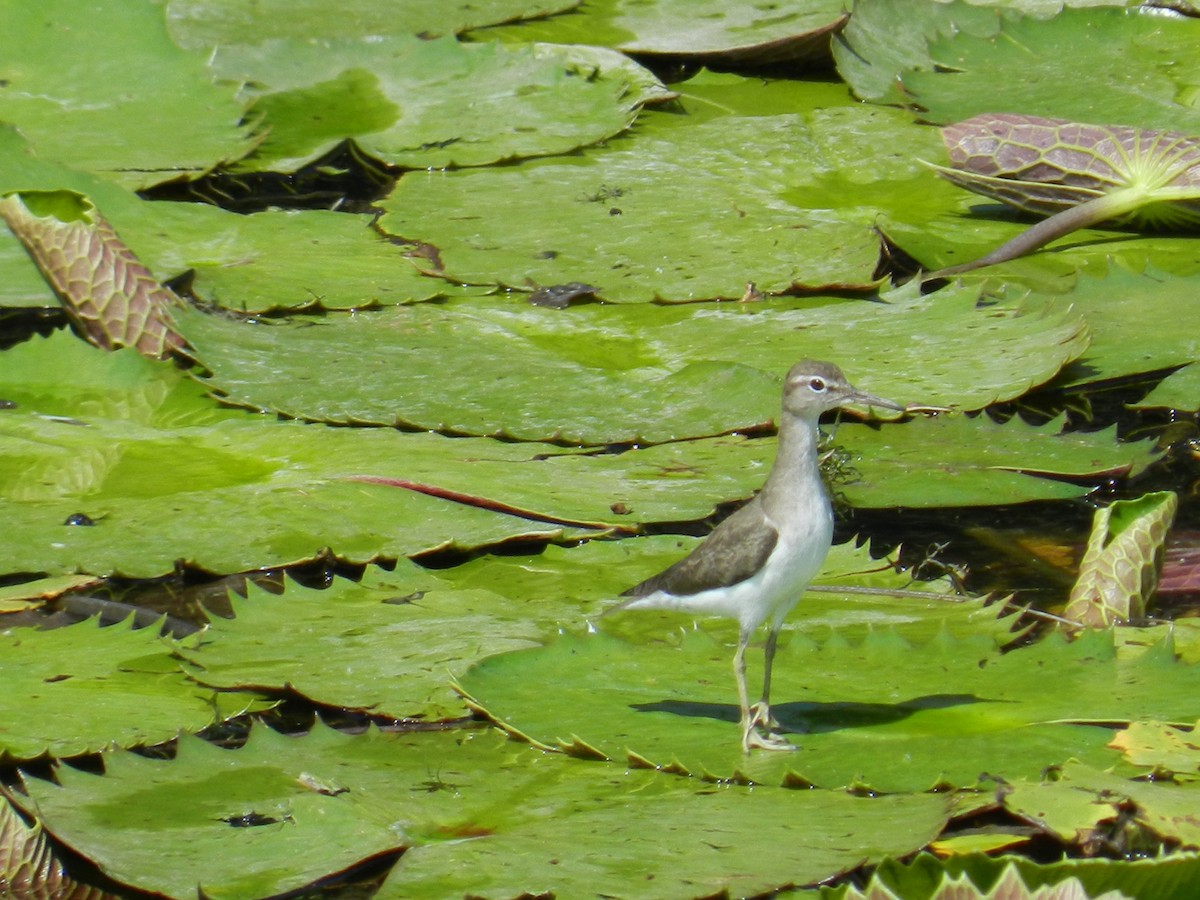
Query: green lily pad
x=431 y=103
x=729 y=32
x=203 y=24
x=960 y=461
x=254 y=822
x=268 y=260
x=436 y=624
x=102 y=88
x=138 y=449
x=1179 y=391
x=1139 y=65
x=387 y=645
x=798 y=215
x=885 y=712
x=885 y=38
x=479 y=816
x=584 y=374
x=1156 y=745
x=84 y=688
x=1124 y=344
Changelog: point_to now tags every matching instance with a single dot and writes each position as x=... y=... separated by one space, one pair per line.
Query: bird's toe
x=758 y=735
x=760 y=717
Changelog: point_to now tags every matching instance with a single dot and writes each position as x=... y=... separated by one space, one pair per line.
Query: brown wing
x=736 y=549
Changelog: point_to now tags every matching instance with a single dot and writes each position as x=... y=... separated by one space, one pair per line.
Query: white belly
x=768 y=595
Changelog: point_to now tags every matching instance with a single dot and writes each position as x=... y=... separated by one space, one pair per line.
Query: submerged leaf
x=111 y=297
x=1120 y=569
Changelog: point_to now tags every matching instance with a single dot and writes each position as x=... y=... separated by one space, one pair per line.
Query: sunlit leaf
x=1009 y=887
x=601 y=374
x=1032 y=63
x=245 y=823
x=884 y=711
x=480 y=816
x=798 y=215
x=430 y=104
x=431 y=632
x=1167 y=877
x=1125 y=343
x=716 y=31
x=1157 y=745
x=102 y=88
x=1178 y=391
x=1119 y=571
x=83 y=688
x=204 y=24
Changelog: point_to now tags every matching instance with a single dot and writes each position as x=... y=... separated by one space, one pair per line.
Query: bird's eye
x=817 y=385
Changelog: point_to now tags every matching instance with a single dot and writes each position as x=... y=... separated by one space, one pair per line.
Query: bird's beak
x=862 y=398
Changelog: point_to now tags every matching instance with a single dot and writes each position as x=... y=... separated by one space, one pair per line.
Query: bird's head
x=813 y=387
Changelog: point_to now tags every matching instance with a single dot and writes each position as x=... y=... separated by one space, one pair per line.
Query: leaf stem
x=1085 y=215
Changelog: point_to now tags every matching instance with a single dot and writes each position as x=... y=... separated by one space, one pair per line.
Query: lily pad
x=387 y=645
x=268 y=260
x=1170 y=877
x=960 y=461
x=1178 y=391
x=1124 y=344
x=101 y=87
x=431 y=103
x=84 y=688
x=479 y=816
x=204 y=24
x=797 y=215
x=1139 y=65
x=1080 y=802
x=737 y=32
x=254 y=822
x=875 y=712
x=138 y=449
x=885 y=38
x=584 y=374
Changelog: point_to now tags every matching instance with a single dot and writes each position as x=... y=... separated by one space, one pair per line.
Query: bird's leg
x=739 y=674
x=760 y=712
x=759 y=716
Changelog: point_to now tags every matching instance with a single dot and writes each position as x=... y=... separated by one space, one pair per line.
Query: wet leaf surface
x=671 y=703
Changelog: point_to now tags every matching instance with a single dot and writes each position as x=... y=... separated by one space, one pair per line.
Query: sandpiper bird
x=755 y=565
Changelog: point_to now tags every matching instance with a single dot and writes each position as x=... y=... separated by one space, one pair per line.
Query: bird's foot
x=760 y=731
x=753 y=739
x=760 y=716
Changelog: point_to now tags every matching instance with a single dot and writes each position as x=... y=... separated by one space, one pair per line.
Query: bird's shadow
x=818 y=718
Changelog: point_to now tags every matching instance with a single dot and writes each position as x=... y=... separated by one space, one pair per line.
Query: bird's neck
x=794 y=485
